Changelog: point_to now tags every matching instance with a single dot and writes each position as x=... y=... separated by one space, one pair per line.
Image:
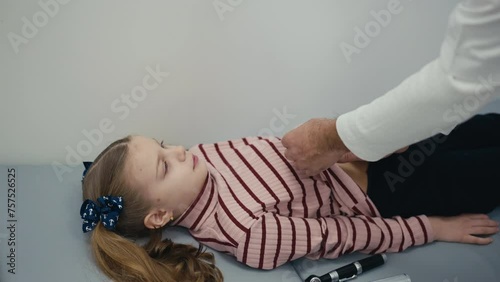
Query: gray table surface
x=50 y=245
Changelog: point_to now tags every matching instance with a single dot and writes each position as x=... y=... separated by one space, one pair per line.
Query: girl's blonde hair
x=118 y=256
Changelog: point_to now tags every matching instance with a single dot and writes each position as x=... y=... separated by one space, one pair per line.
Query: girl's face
x=169 y=177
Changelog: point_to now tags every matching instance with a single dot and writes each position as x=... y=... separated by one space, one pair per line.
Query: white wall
x=228 y=73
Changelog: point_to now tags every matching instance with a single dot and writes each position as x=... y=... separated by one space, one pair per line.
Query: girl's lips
x=195 y=161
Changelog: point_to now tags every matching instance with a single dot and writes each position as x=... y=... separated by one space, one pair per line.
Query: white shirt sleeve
x=444 y=93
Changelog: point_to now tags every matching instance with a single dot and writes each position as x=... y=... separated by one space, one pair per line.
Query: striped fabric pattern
x=255 y=206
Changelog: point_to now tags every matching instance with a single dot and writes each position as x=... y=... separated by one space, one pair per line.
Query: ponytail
x=157 y=261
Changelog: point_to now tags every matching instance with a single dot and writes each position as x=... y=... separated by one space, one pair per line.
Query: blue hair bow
x=107 y=210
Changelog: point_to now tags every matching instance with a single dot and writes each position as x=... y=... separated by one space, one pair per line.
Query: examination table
x=45 y=226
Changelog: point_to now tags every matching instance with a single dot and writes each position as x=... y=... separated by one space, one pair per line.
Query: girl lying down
x=242 y=197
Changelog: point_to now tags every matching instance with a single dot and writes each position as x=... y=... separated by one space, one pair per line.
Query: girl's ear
x=157 y=218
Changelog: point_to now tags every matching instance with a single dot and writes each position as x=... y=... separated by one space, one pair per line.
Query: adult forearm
x=428 y=102
x=441 y=95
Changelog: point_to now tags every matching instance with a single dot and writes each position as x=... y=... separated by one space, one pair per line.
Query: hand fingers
x=484 y=223
x=479 y=220
x=300 y=166
x=311 y=172
x=290 y=155
x=307 y=167
x=304 y=173
x=471 y=239
x=476 y=216
x=285 y=140
x=483 y=230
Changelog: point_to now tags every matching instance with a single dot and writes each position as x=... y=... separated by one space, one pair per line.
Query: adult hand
x=463 y=228
x=314 y=146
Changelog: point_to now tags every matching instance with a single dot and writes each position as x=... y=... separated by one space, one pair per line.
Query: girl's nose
x=180 y=152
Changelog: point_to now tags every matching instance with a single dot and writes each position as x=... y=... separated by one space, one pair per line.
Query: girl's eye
x=166 y=166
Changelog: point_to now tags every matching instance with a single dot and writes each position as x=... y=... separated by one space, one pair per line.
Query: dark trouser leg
x=477 y=132
x=461 y=175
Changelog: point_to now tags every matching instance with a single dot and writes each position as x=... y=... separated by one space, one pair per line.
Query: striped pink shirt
x=255 y=207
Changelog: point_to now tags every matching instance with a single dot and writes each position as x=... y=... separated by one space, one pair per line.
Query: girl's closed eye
x=166 y=166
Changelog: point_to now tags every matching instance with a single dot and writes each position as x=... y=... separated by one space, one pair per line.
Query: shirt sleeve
x=444 y=93
x=274 y=240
